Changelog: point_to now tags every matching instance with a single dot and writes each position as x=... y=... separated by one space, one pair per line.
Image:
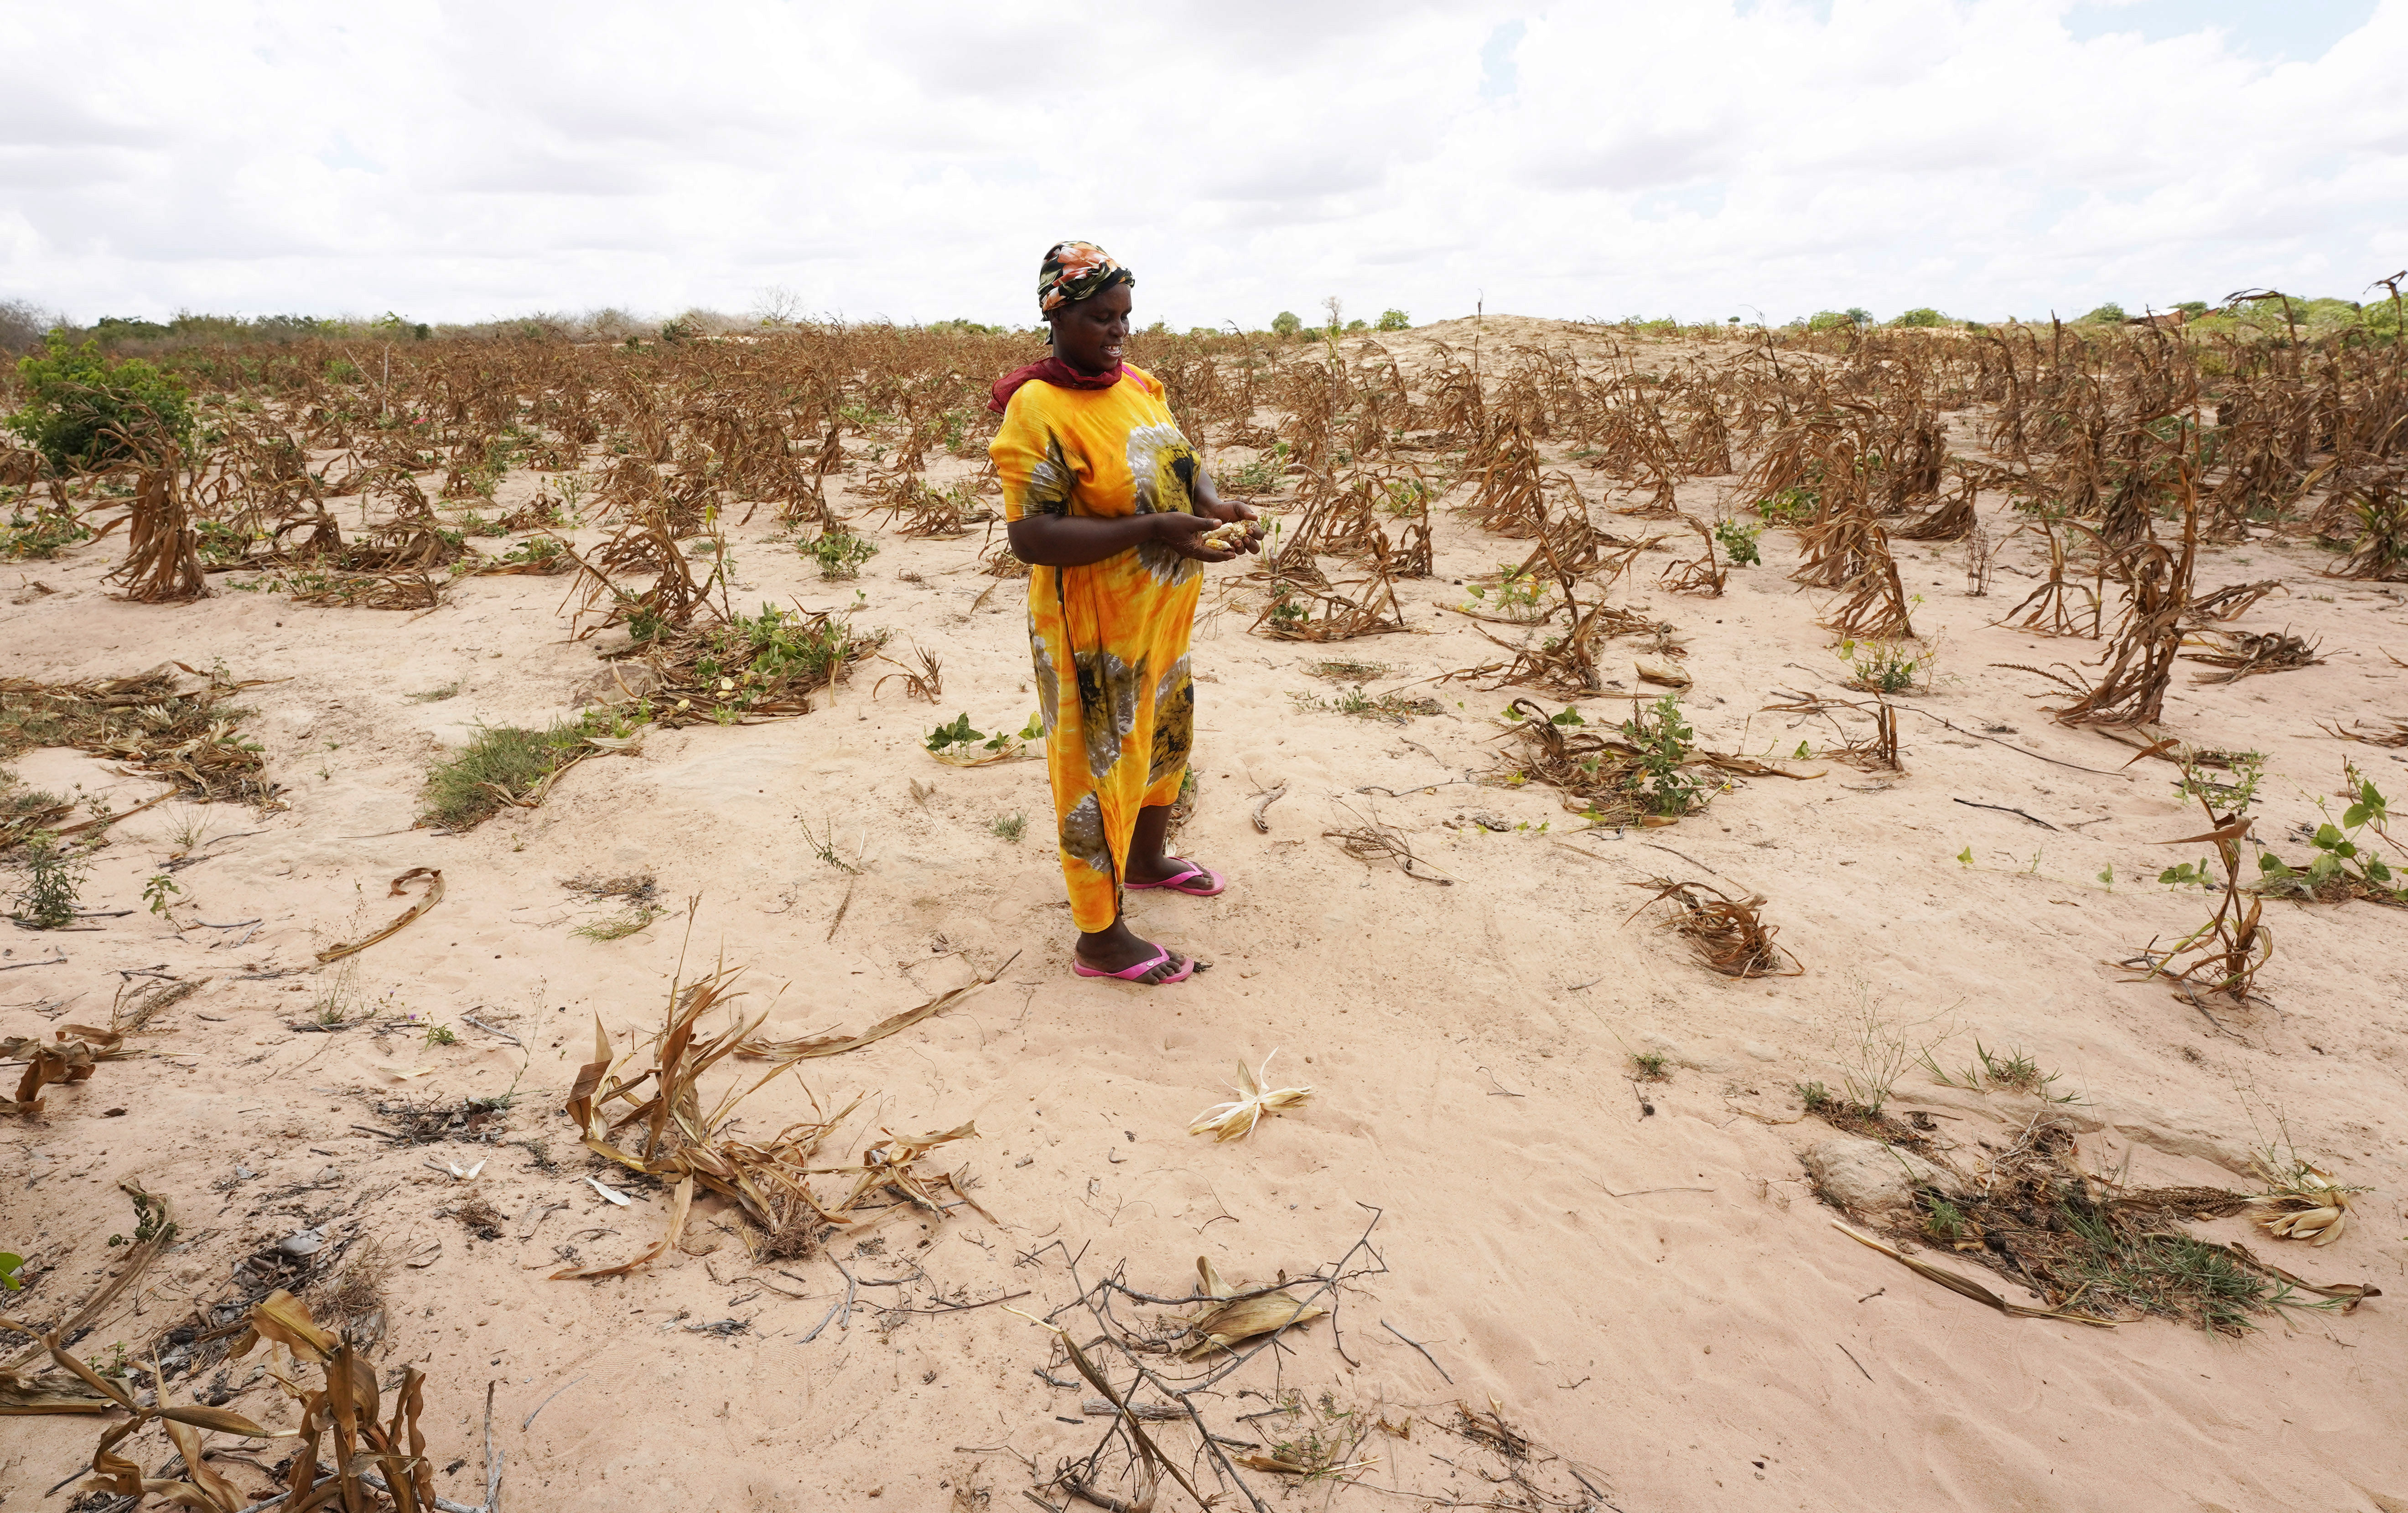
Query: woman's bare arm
x=1076 y=540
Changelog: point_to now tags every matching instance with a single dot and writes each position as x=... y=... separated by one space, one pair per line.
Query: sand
x=1638 y=1276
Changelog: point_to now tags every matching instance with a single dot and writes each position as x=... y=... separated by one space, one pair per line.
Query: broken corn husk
x=1208 y=1276
x=1234 y=1120
x=1222 y=1328
x=2303 y=1204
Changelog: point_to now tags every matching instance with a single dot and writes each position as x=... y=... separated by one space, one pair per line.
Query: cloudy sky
x=1704 y=157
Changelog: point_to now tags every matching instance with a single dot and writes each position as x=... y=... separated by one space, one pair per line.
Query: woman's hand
x=1209 y=504
x=1184 y=534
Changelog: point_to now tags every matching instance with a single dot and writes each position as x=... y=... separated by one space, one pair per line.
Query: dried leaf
x=1966 y=1285
x=434 y=877
x=837 y=1045
x=49 y=1394
x=220 y=1421
x=285 y=1319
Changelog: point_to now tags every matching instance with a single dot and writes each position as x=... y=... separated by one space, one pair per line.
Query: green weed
x=1887 y=667
x=1665 y=741
x=41 y=537
x=54 y=871
x=506 y=765
x=1792 y=507
x=1515 y=594
x=1739 y=543
x=839 y=552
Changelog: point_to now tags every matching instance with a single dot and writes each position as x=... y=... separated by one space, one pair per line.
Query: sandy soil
x=1658 y=1295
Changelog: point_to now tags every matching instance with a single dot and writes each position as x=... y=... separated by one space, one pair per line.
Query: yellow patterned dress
x=1108 y=639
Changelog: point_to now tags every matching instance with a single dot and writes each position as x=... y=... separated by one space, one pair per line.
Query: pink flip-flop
x=1131 y=974
x=1183 y=882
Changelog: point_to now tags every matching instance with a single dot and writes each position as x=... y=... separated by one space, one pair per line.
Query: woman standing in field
x=1109 y=505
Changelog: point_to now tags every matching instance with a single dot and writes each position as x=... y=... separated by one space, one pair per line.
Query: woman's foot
x=1120 y=951
x=1176 y=874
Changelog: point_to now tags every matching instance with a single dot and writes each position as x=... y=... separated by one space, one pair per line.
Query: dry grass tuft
x=1728 y=934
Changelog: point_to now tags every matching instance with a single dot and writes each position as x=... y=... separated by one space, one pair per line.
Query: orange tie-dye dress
x=1108 y=639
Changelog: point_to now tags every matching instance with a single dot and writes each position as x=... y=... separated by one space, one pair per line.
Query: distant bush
x=75 y=398
x=1921 y=316
x=21 y=324
x=1287 y=322
x=2109 y=314
x=111 y=329
x=2193 y=308
x=1835 y=319
x=1393 y=321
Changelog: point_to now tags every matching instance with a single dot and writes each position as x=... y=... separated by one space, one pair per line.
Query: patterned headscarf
x=1075 y=270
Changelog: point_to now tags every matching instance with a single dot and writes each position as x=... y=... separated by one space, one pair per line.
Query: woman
x=1109 y=505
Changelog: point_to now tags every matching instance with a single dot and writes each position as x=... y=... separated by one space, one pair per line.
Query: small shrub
x=777 y=646
x=1515 y=595
x=1921 y=316
x=54 y=873
x=1943 y=1220
x=2344 y=854
x=2109 y=314
x=1886 y=667
x=1408 y=497
x=1261 y=476
x=1010 y=827
x=41 y=535
x=1739 y=543
x=1665 y=741
x=1792 y=507
x=840 y=552
x=1393 y=321
x=75 y=398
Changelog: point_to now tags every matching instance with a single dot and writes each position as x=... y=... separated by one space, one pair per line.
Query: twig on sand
x=529 y=1423
x=2005 y=809
x=1418 y=1345
x=1262 y=805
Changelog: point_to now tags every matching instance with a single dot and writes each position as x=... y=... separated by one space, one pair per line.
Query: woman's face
x=1091 y=334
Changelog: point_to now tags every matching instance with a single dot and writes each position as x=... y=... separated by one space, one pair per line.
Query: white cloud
x=913 y=160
